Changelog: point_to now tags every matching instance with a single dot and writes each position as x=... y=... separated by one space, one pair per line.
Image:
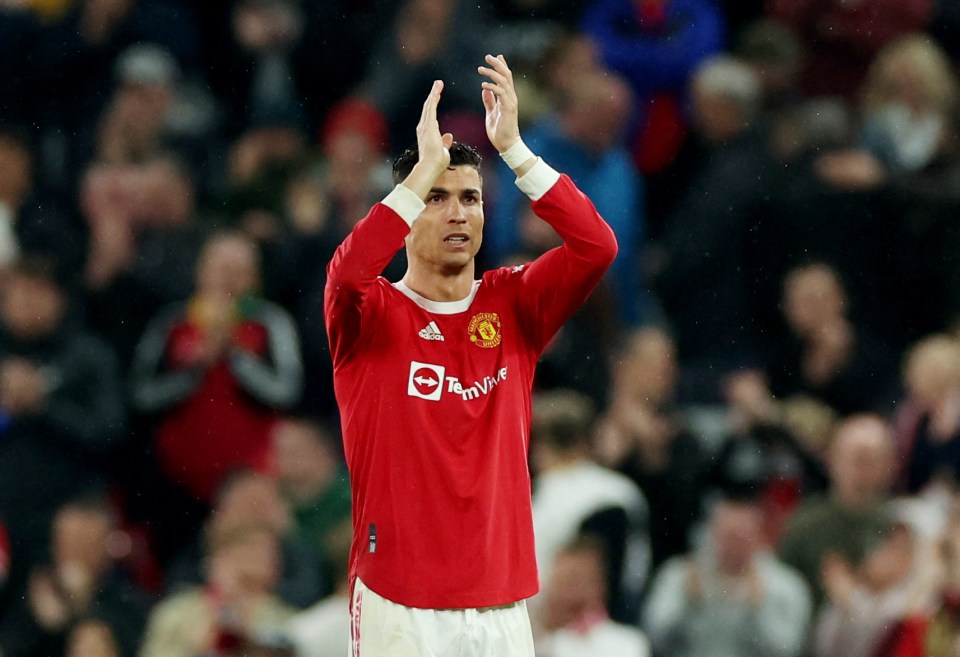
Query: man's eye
x=436 y=198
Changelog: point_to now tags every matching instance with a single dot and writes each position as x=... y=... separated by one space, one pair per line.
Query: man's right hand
x=433 y=147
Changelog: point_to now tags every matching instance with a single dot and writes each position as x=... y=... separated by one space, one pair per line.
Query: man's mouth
x=456 y=238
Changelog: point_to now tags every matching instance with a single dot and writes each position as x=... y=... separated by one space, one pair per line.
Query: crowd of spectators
x=746 y=443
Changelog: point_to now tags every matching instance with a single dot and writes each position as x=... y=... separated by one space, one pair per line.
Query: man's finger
x=489 y=100
x=496 y=77
x=429 y=112
x=500 y=64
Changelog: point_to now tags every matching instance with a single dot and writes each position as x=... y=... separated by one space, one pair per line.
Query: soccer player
x=433 y=377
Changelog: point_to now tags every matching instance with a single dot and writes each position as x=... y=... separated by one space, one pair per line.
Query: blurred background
x=746 y=443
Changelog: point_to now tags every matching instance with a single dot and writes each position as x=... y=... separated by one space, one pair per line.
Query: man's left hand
x=500 y=103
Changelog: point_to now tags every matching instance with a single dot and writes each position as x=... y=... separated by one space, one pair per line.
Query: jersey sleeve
x=357 y=264
x=558 y=282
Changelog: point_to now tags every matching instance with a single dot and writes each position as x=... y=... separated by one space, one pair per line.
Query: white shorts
x=380 y=628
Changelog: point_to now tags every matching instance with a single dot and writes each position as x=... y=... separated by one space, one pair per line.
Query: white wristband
x=516 y=154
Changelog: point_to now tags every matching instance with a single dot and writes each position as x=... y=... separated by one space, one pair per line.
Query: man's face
x=31 y=307
x=447 y=234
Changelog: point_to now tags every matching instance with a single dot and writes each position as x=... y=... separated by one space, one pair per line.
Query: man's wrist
x=517 y=154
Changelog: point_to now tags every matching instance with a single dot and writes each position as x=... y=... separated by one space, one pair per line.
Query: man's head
x=813 y=295
x=561 y=427
x=736 y=530
x=305 y=457
x=578 y=583
x=246 y=496
x=244 y=558
x=446 y=236
x=932 y=370
x=33 y=302
x=646 y=367
x=595 y=109
x=861 y=461
x=726 y=98
x=81 y=535
x=228 y=266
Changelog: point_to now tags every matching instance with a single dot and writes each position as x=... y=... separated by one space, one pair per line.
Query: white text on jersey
x=426 y=382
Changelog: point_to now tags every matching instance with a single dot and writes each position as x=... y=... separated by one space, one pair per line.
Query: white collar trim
x=439 y=307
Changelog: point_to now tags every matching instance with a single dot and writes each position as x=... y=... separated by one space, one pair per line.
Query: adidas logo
x=431 y=332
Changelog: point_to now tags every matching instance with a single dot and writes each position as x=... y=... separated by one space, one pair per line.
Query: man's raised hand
x=433 y=148
x=500 y=103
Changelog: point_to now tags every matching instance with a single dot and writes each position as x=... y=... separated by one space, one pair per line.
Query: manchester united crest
x=484 y=330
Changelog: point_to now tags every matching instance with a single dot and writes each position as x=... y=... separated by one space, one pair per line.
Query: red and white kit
x=435 y=402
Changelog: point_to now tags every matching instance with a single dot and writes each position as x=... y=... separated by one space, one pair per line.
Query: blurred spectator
x=732 y=598
x=428 y=40
x=876 y=609
x=269 y=59
x=567 y=57
x=575 y=621
x=573 y=495
x=71 y=64
x=942 y=632
x=91 y=638
x=143 y=245
x=267 y=32
x=584 y=138
x=776 y=56
x=577 y=355
x=719 y=184
x=260 y=162
x=928 y=422
x=827 y=355
x=132 y=124
x=656 y=45
x=323 y=630
x=31 y=218
x=909 y=128
x=312 y=479
x=908 y=97
x=526 y=30
x=354 y=142
x=234 y=611
x=764 y=455
x=61 y=408
x=81 y=588
x=825 y=199
x=845 y=521
x=153 y=110
x=642 y=435
x=249 y=498
x=843 y=37
x=217 y=369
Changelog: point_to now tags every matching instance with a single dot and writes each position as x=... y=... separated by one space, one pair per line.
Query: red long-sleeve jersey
x=435 y=403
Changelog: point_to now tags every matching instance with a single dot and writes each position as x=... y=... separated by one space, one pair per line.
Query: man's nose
x=456 y=213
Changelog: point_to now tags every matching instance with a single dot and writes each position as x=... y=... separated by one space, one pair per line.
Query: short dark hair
x=460 y=154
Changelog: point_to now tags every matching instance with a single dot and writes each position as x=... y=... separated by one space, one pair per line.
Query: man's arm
x=277 y=379
x=559 y=281
x=363 y=255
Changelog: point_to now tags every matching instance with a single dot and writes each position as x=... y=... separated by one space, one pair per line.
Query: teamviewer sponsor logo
x=426 y=380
